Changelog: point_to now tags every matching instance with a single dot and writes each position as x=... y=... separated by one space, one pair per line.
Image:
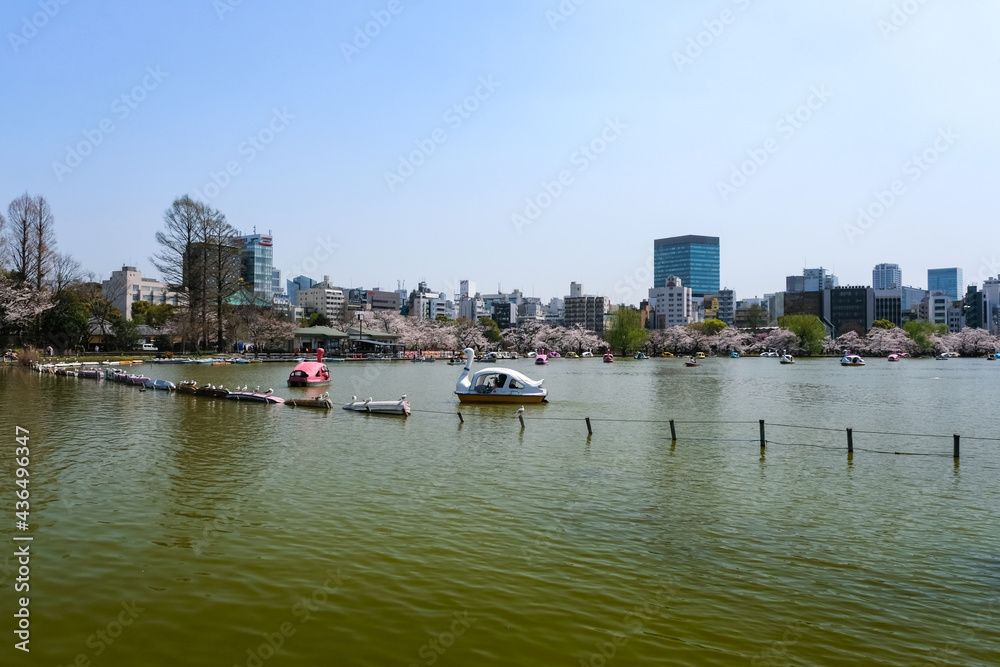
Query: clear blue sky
x=676 y=118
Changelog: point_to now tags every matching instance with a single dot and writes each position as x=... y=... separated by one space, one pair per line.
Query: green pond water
x=174 y=530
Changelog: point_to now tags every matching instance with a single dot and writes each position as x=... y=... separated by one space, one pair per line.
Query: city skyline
x=801 y=136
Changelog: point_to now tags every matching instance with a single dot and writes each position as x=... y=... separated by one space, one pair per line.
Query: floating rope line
x=805 y=444
x=811 y=428
x=857 y=449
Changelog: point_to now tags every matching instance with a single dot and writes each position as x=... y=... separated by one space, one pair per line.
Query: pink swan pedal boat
x=310 y=373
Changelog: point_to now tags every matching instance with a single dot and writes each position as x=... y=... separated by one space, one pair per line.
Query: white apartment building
x=127 y=286
x=324 y=299
x=672 y=304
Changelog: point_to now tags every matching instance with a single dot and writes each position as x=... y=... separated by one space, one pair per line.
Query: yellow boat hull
x=486 y=398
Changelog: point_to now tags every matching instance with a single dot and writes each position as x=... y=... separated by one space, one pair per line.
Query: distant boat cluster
x=112 y=372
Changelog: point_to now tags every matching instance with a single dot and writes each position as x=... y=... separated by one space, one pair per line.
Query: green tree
x=140 y=310
x=625 y=332
x=757 y=316
x=159 y=314
x=491 y=330
x=103 y=312
x=883 y=324
x=808 y=328
x=317 y=320
x=920 y=332
x=441 y=317
x=126 y=333
x=709 y=327
x=65 y=325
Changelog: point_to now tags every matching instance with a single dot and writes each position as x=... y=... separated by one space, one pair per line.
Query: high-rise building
x=977 y=310
x=293 y=286
x=673 y=304
x=257 y=256
x=851 y=309
x=887 y=276
x=325 y=299
x=795 y=284
x=727 y=306
x=380 y=300
x=692 y=259
x=817 y=280
x=889 y=305
x=948 y=281
x=991 y=292
x=911 y=297
x=127 y=286
x=504 y=313
x=587 y=310
x=276 y=281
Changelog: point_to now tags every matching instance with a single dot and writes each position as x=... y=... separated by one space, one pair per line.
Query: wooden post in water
x=956 y=445
x=460 y=420
x=520 y=418
x=850 y=441
x=763 y=440
x=673 y=431
x=590 y=431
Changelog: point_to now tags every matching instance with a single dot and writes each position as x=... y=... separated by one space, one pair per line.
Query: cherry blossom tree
x=20 y=304
x=732 y=338
x=882 y=342
x=850 y=341
x=678 y=339
x=468 y=334
x=782 y=340
x=971 y=342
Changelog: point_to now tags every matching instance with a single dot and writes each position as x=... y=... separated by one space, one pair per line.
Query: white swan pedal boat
x=497 y=385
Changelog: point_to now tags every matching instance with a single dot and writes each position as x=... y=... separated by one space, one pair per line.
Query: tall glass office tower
x=693 y=259
x=887 y=276
x=257 y=255
x=948 y=281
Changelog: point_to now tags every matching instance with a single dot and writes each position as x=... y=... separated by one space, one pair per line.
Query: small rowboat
x=691 y=362
x=400 y=407
x=187 y=387
x=322 y=401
